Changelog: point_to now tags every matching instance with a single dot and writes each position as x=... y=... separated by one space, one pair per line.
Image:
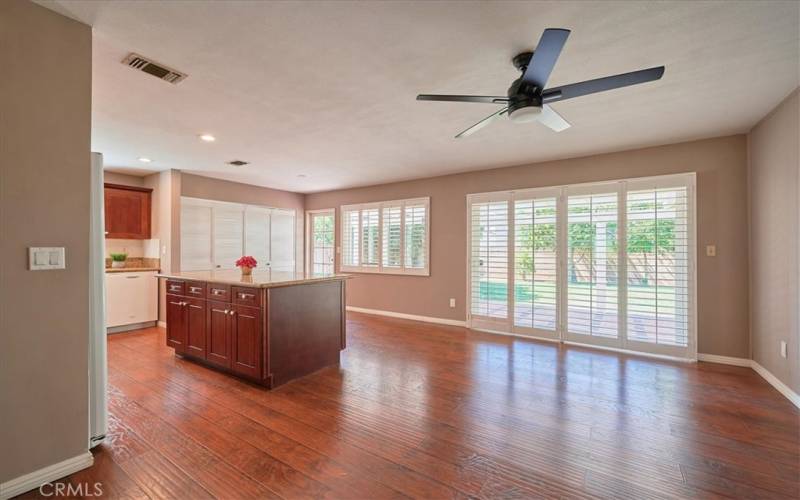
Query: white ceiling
x=326 y=89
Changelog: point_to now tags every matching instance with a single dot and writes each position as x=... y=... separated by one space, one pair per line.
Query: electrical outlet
x=711 y=250
x=452 y=302
x=784 y=352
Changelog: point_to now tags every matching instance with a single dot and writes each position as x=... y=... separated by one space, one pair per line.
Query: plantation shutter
x=350 y=237
x=416 y=235
x=658 y=265
x=392 y=242
x=535 y=262
x=592 y=263
x=489 y=260
x=370 y=237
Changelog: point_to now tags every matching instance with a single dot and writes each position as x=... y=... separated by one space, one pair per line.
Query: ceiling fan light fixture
x=526 y=115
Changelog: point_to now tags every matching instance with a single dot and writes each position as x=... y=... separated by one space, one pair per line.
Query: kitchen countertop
x=131 y=269
x=259 y=279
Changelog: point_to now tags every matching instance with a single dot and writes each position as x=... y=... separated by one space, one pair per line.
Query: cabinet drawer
x=176 y=287
x=246 y=296
x=219 y=292
x=196 y=289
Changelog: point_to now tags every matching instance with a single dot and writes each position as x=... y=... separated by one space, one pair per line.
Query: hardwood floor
x=427 y=411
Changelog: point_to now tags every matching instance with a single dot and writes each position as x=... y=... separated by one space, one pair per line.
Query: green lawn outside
x=640 y=298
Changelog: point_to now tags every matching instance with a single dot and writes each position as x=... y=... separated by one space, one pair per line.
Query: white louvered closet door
x=282 y=240
x=257 y=235
x=196 y=237
x=228 y=235
x=489 y=262
x=591 y=280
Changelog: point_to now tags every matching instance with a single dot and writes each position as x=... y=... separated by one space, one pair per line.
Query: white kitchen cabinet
x=131 y=298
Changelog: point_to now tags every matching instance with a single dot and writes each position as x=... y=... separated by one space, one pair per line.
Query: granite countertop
x=259 y=279
x=131 y=269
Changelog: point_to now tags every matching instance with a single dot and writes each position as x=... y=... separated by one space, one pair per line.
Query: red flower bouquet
x=247 y=263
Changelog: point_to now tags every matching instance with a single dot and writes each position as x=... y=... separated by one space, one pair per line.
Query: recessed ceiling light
x=207 y=138
x=145 y=160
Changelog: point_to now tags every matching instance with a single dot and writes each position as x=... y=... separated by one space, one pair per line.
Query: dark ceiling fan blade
x=486 y=99
x=486 y=121
x=545 y=57
x=602 y=84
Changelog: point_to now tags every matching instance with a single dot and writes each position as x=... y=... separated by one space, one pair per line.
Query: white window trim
x=380 y=269
x=310 y=237
x=621 y=186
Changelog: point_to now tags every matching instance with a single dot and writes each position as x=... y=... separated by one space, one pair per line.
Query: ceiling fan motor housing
x=524 y=99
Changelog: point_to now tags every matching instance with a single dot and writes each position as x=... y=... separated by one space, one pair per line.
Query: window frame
x=379 y=268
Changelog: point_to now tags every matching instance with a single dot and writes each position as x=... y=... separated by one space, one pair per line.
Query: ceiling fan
x=528 y=100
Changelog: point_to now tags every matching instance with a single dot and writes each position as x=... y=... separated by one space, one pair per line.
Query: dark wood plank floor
x=418 y=410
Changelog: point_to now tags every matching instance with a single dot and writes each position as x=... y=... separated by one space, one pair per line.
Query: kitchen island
x=270 y=328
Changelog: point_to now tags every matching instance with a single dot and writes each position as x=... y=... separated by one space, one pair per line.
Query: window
x=609 y=264
x=321 y=241
x=388 y=237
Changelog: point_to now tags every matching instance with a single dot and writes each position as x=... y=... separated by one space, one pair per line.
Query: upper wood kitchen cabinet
x=127 y=212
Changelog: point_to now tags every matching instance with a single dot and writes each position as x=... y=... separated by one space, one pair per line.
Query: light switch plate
x=46 y=258
x=711 y=250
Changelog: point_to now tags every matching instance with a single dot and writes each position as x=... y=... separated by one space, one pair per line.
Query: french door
x=320 y=241
x=605 y=264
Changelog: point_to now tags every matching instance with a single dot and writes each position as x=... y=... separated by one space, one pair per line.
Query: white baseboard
x=765 y=374
x=132 y=326
x=725 y=360
x=391 y=314
x=47 y=474
x=162 y=324
x=777 y=384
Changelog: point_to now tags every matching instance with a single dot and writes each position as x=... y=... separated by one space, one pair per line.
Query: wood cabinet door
x=127 y=212
x=176 y=323
x=218 y=333
x=247 y=342
x=196 y=327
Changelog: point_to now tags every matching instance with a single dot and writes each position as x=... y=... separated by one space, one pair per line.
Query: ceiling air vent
x=158 y=70
x=238 y=163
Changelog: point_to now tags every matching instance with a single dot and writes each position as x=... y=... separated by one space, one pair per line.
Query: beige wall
x=721 y=166
x=45 y=121
x=196 y=186
x=774 y=170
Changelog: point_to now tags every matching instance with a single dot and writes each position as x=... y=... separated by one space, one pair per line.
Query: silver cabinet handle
x=233 y=312
x=218 y=292
x=245 y=295
x=173 y=288
x=226 y=311
x=194 y=288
